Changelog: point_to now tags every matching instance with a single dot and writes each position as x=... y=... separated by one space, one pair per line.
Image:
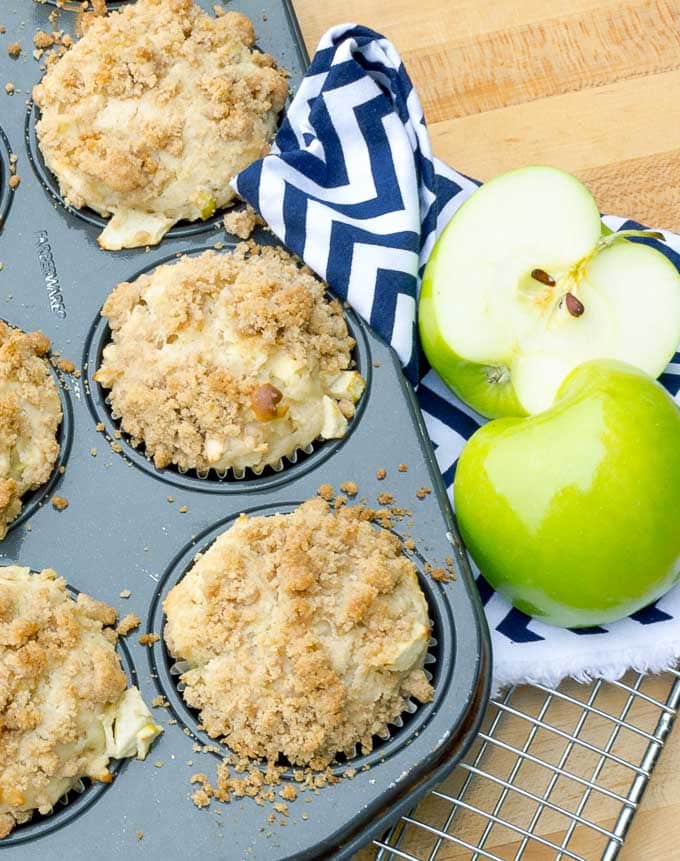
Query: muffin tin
x=120 y=531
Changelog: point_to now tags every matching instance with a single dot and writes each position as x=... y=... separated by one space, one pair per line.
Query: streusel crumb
x=228 y=361
x=128 y=623
x=306 y=634
x=242 y=222
x=325 y=491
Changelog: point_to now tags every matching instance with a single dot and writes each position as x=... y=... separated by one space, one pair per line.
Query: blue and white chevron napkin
x=351 y=187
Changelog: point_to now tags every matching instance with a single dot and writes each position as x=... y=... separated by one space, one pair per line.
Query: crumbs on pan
x=43 y=40
x=242 y=222
x=128 y=623
x=439 y=574
x=325 y=491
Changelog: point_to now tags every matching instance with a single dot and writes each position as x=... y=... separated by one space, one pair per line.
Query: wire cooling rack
x=549 y=767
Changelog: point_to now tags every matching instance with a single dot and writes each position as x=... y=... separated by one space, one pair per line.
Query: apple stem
x=625 y=234
x=542 y=276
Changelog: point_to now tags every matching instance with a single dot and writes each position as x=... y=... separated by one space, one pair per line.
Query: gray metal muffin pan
x=121 y=532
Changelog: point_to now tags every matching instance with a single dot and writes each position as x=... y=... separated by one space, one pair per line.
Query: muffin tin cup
x=121 y=532
x=35 y=499
x=166 y=670
x=86 y=793
x=5 y=173
x=299 y=461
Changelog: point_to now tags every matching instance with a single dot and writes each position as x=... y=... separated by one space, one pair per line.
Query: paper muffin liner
x=24 y=817
x=230 y=473
x=411 y=706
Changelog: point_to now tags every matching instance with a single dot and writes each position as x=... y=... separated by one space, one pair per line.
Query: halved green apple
x=525 y=284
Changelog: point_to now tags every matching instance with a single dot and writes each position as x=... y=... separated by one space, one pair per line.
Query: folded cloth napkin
x=351 y=187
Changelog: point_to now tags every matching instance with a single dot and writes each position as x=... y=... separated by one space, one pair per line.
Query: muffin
x=30 y=415
x=153 y=111
x=228 y=361
x=65 y=709
x=300 y=634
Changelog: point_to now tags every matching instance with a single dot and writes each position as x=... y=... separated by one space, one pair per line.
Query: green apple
x=525 y=284
x=574 y=514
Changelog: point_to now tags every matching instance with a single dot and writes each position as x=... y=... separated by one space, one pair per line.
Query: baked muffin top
x=153 y=111
x=228 y=360
x=305 y=634
x=64 y=706
x=30 y=415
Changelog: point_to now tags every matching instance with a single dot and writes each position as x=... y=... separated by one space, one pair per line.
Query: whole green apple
x=525 y=284
x=574 y=514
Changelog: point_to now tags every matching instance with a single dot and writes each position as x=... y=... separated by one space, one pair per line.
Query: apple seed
x=574 y=305
x=542 y=276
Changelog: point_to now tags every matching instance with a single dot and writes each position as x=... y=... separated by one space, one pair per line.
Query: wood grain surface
x=592 y=86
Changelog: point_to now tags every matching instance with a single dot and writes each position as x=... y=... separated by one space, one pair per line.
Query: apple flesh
x=524 y=285
x=574 y=514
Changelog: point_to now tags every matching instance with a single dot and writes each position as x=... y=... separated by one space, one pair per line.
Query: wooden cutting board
x=592 y=86
x=594 y=90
